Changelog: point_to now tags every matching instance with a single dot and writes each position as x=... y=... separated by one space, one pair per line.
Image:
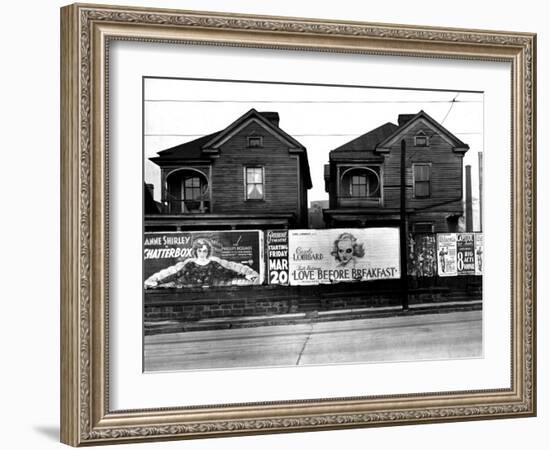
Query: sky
x=320 y=117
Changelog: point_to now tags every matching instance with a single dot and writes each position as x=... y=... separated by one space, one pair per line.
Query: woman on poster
x=346 y=250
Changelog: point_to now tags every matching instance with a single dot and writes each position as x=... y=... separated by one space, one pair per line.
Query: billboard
x=342 y=255
x=202 y=259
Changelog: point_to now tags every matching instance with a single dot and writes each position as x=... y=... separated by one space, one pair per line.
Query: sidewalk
x=168 y=326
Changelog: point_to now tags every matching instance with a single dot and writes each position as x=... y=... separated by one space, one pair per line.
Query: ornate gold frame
x=85 y=34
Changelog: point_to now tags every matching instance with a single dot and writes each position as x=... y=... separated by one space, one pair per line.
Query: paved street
x=402 y=338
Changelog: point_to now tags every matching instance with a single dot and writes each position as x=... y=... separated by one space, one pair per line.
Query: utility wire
x=310 y=101
x=293 y=134
x=453 y=101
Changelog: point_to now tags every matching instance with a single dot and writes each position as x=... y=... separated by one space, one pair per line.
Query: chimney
x=404 y=118
x=272 y=116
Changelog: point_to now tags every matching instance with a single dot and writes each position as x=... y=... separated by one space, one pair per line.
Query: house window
x=254 y=183
x=421 y=140
x=358 y=186
x=192 y=188
x=421 y=180
x=255 y=141
x=360 y=182
x=186 y=191
x=423 y=227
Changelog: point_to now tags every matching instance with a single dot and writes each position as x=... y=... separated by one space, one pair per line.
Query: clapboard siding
x=281 y=184
x=439 y=221
x=446 y=174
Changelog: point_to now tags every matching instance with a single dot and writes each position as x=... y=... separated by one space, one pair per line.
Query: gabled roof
x=459 y=146
x=365 y=142
x=380 y=139
x=187 y=150
x=263 y=119
x=206 y=147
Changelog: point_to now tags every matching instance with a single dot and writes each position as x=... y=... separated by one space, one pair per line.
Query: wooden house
x=251 y=174
x=363 y=177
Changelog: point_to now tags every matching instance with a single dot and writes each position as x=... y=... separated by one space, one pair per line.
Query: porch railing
x=360 y=202
x=177 y=206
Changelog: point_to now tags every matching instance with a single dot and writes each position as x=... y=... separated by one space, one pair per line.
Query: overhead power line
x=309 y=101
x=293 y=134
x=453 y=101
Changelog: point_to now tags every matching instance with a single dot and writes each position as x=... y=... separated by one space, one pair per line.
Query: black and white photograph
x=293 y=224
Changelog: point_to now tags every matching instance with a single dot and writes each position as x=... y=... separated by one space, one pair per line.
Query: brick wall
x=195 y=304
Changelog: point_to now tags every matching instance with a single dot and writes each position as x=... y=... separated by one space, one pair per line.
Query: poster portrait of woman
x=203 y=269
x=346 y=250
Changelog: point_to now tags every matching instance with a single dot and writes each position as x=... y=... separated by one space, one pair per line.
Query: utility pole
x=403 y=230
x=480 y=168
x=469 y=206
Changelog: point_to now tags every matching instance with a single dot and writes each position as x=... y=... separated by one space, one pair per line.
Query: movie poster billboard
x=446 y=254
x=478 y=243
x=277 y=256
x=343 y=255
x=465 y=254
x=202 y=259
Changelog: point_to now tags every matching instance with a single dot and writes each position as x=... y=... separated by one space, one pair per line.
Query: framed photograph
x=274 y=224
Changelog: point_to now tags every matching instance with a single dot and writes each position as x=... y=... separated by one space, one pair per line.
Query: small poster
x=277 y=256
x=465 y=254
x=446 y=254
x=422 y=255
x=478 y=254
